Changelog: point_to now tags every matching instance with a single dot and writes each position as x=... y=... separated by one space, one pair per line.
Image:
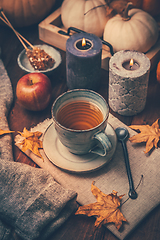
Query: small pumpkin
x=158 y=72
x=150 y=6
x=89 y=16
x=135 y=29
x=26 y=12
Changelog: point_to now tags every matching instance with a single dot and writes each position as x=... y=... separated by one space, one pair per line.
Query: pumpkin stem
x=124 y=14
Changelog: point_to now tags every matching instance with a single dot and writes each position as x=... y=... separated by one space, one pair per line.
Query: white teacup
x=80 y=117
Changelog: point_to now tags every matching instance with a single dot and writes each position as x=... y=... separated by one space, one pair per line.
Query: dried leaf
x=106 y=209
x=2 y=132
x=148 y=134
x=31 y=141
x=116 y=7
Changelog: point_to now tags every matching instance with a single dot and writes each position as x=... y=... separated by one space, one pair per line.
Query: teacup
x=80 y=117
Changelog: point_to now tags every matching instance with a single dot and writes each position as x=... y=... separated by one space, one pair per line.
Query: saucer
x=24 y=63
x=60 y=156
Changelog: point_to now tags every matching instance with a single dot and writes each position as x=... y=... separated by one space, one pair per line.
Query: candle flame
x=83 y=42
x=131 y=62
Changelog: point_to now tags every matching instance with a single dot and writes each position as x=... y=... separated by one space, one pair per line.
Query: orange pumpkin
x=150 y=6
x=158 y=72
x=26 y=12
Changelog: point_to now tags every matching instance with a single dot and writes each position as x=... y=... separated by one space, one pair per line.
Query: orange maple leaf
x=148 y=134
x=2 y=132
x=31 y=141
x=106 y=209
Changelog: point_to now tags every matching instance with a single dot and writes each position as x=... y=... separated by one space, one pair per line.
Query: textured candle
x=128 y=88
x=83 y=63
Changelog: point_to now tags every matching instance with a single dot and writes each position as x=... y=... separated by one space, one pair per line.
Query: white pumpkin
x=139 y=32
x=86 y=15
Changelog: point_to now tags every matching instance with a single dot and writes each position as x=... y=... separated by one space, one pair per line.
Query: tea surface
x=80 y=115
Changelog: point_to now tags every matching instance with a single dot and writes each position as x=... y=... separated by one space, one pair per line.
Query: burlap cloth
x=32 y=203
x=113 y=177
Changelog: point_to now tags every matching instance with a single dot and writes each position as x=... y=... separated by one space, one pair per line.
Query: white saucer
x=60 y=156
x=24 y=63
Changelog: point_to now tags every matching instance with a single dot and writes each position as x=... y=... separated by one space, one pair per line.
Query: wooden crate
x=49 y=32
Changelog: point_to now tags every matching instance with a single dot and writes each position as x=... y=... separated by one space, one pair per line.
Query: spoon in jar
x=122 y=135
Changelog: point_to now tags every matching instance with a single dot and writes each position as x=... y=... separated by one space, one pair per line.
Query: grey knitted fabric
x=6 y=99
x=31 y=201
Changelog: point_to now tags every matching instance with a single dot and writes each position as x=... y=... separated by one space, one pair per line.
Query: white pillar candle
x=128 y=84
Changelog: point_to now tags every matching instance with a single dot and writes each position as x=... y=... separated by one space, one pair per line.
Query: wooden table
x=77 y=227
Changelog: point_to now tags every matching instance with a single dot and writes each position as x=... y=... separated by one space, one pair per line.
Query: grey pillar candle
x=128 y=85
x=83 y=64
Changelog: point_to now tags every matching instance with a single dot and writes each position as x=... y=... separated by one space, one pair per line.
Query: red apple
x=34 y=91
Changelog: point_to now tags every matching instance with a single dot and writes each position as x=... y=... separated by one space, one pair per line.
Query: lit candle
x=83 y=61
x=130 y=65
x=83 y=44
x=128 y=82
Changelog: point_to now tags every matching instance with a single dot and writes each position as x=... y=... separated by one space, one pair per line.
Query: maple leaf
x=2 y=132
x=114 y=7
x=106 y=209
x=31 y=141
x=148 y=134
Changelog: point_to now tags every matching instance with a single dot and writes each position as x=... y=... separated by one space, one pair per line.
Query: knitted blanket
x=31 y=201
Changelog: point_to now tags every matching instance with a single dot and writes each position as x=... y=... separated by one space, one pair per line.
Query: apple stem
x=31 y=82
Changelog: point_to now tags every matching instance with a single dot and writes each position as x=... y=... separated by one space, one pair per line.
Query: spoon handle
x=127 y=164
x=132 y=193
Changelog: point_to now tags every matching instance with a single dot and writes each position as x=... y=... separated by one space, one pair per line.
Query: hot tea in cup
x=80 y=115
x=80 y=118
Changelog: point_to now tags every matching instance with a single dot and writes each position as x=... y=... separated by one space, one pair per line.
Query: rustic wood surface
x=77 y=227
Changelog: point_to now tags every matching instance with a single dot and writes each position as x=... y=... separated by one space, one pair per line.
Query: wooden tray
x=49 y=32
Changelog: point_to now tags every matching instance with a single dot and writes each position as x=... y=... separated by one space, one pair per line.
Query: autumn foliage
x=106 y=209
x=148 y=134
x=31 y=141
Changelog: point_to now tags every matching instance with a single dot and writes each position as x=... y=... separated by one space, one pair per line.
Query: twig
x=135 y=189
x=20 y=37
x=95 y=8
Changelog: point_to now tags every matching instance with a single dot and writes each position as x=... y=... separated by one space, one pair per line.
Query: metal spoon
x=122 y=135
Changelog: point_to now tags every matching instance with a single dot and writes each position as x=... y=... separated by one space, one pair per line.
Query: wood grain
x=77 y=227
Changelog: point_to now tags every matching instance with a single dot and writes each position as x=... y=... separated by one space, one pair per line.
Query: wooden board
x=49 y=32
